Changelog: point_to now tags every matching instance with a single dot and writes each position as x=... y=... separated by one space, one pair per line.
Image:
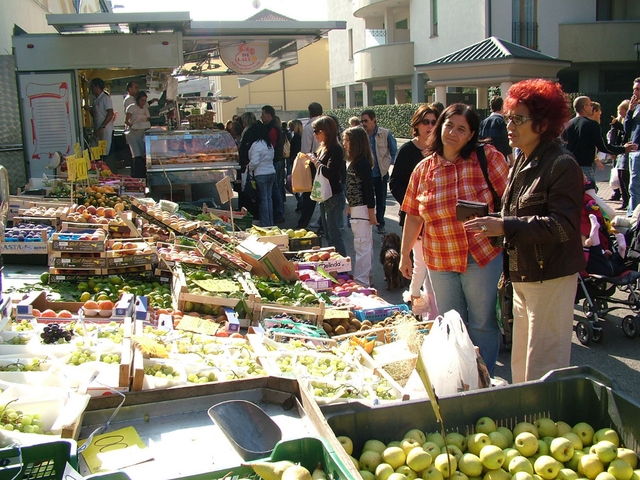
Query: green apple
x=498 y=474
x=367 y=475
x=432 y=473
x=457 y=439
x=636 y=475
x=497 y=439
x=417 y=435
x=548 y=440
x=453 y=450
x=520 y=464
x=620 y=469
x=567 y=474
x=369 y=460
x=346 y=443
x=486 y=425
x=397 y=476
x=446 y=463
x=476 y=441
x=522 y=476
x=525 y=427
x=546 y=427
x=432 y=448
x=408 y=444
x=394 y=456
x=573 y=463
x=418 y=459
x=437 y=438
x=375 y=445
x=537 y=477
x=543 y=448
x=605 y=476
x=575 y=440
x=590 y=466
x=607 y=434
x=584 y=431
x=526 y=443
x=547 y=467
x=407 y=472
x=470 y=465
x=394 y=443
x=383 y=471
x=562 y=428
x=510 y=454
x=605 y=450
x=561 y=449
x=355 y=462
x=508 y=434
x=628 y=456
x=492 y=457
x=458 y=475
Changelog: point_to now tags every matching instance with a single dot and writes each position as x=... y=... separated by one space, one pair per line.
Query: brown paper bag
x=301 y=179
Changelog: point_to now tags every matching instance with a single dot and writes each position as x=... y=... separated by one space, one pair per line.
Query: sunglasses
x=429 y=122
x=516 y=119
x=315 y=132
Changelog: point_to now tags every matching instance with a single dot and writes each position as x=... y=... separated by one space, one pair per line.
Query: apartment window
x=434 y=18
x=604 y=10
x=402 y=24
x=350 y=33
x=524 y=25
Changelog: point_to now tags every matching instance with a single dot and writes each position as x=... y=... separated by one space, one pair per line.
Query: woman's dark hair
x=420 y=115
x=435 y=145
x=330 y=128
x=140 y=94
x=356 y=144
x=258 y=131
x=547 y=104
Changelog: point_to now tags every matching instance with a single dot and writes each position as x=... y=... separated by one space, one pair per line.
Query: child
x=360 y=200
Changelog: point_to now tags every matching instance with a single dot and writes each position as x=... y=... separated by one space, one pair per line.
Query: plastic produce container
x=44 y=461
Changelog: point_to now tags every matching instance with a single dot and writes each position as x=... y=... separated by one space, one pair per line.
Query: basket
x=45 y=461
x=380 y=313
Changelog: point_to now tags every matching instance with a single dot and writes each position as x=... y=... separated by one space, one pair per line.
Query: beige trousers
x=542 y=326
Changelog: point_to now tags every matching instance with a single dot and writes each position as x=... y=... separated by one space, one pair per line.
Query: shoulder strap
x=482 y=160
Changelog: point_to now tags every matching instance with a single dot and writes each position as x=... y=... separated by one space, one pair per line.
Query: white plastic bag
x=450 y=356
x=321 y=190
x=614 y=181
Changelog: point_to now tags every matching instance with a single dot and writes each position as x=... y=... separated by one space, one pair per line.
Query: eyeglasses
x=429 y=122
x=315 y=131
x=516 y=119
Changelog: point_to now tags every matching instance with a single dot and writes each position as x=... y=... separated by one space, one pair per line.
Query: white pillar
x=504 y=88
x=481 y=97
x=441 y=94
x=391 y=92
x=401 y=95
x=390 y=25
x=350 y=96
x=417 y=87
x=334 y=97
x=367 y=94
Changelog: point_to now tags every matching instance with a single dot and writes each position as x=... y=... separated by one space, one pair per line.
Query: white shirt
x=101 y=105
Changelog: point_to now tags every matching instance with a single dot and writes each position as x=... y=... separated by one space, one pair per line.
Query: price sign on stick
x=77 y=150
x=96 y=153
x=224 y=190
x=71 y=167
x=87 y=160
x=82 y=172
x=103 y=146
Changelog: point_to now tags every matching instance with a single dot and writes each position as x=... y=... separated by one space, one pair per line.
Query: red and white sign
x=244 y=57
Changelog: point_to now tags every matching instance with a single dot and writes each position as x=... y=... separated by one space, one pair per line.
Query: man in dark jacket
x=493 y=127
x=277 y=142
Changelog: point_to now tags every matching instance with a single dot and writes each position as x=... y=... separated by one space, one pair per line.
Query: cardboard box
x=38 y=300
x=267 y=259
x=342 y=264
x=304 y=243
x=282 y=241
x=69 y=238
x=12 y=248
x=213 y=250
x=66 y=260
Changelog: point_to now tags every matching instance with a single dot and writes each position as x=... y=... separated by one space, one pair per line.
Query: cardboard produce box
x=267 y=260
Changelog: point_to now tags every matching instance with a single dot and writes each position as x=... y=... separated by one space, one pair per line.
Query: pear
x=272 y=470
x=318 y=473
x=296 y=472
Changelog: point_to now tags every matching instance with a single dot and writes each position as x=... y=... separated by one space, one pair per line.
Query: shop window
x=604 y=10
x=434 y=18
x=350 y=33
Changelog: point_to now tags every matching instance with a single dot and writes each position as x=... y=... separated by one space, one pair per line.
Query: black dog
x=390 y=260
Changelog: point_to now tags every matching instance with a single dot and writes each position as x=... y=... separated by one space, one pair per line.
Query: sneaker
x=381 y=230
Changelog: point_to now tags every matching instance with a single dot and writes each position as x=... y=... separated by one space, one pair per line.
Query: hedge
x=396 y=118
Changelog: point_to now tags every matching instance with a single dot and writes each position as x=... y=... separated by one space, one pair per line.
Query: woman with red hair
x=540 y=222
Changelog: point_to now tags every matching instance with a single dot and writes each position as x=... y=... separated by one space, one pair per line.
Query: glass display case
x=190 y=157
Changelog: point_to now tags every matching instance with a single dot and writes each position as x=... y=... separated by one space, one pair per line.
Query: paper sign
x=71 y=167
x=150 y=347
x=96 y=153
x=77 y=150
x=103 y=146
x=81 y=168
x=224 y=190
x=115 y=450
x=335 y=313
x=70 y=473
x=198 y=325
x=218 y=285
x=87 y=160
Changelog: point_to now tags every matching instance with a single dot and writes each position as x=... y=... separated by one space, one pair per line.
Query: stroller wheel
x=586 y=308
x=631 y=326
x=634 y=301
x=597 y=332
x=584 y=332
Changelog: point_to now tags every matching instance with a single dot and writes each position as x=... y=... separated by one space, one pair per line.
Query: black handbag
x=250 y=194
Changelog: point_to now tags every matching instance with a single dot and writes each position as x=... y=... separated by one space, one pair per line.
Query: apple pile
x=179 y=253
x=171 y=219
x=543 y=450
x=91 y=214
x=320 y=256
x=123 y=249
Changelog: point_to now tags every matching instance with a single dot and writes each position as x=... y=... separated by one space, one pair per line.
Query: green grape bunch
x=16 y=420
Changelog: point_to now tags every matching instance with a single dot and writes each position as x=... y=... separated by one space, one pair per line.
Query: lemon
x=85 y=296
x=103 y=296
x=83 y=287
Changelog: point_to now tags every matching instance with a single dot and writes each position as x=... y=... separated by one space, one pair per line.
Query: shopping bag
x=450 y=356
x=301 y=178
x=321 y=190
x=614 y=181
x=250 y=194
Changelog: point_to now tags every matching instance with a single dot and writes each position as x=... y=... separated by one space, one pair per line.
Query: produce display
x=25 y=232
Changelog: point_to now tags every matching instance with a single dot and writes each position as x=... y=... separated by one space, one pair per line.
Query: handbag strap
x=482 y=160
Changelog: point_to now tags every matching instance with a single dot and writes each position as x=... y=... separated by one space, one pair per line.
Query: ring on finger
x=483 y=228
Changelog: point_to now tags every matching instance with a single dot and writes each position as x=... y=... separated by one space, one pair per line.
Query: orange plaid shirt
x=434 y=189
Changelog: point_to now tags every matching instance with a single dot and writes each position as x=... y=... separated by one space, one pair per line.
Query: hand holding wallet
x=465 y=209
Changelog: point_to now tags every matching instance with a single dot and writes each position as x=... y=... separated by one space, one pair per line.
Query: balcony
x=383 y=62
x=375 y=8
x=598 y=41
x=525 y=34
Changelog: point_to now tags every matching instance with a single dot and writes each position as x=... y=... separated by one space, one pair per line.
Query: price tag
x=77 y=150
x=87 y=160
x=150 y=347
x=71 y=167
x=103 y=146
x=96 y=153
x=224 y=190
x=198 y=325
x=218 y=285
x=330 y=313
x=115 y=450
x=82 y=171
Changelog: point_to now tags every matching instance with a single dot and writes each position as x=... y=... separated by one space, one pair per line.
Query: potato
x=356 y=323
x=339 y=330
x=352 y=329
x=334 y=322
x=327 y=328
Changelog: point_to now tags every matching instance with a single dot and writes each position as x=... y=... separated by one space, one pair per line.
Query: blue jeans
x=265 y=187
x=473 y=295
x=331 y=213
x=634 y=182
x=380 y=188
x=278 y=191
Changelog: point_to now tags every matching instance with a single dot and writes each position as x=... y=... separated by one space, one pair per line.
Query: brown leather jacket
x=541 y=212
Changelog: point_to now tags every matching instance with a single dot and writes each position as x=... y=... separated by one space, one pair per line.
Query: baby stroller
x=608 y=274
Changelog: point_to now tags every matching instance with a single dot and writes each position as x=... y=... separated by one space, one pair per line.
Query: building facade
x=395 y=46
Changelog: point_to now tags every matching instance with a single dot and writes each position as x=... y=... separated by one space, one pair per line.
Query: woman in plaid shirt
x=463 y=268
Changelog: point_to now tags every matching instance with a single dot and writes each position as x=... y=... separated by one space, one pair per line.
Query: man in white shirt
x=102 y=112
x=132 y=90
